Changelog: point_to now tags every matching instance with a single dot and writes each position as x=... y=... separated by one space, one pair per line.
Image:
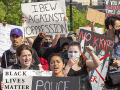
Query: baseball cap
x=16 y=31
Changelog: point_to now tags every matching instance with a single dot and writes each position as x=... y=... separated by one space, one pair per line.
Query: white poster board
x=5 y=42
x=21 y=79
x=44 y=16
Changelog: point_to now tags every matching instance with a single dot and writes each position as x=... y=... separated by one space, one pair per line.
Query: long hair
x=23 y=47
x=81 y=59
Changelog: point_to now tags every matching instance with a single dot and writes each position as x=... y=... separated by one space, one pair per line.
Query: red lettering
x=107 y=15
x=106 y=44
x=100 y=43
x=101 y=64
x=86 y=37
x=81 y=35
x=106 y=66
x=93 y=79
x=107 y=7
x=95 y=42
x=113 y=7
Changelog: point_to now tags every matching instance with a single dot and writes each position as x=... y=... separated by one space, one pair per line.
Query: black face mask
x=117 y=32
x=47 y=44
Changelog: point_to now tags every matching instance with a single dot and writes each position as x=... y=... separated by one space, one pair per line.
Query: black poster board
x=103 y=46
x=98 y=41
x=56 y=83
x=112 y=8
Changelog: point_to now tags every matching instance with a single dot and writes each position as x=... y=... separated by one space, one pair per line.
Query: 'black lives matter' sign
x=44 y=16
x=38 y=80
x=21 y=79
x=112 y=7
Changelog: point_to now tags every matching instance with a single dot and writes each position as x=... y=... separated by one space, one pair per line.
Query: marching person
x=78 y=66
x=9 y=56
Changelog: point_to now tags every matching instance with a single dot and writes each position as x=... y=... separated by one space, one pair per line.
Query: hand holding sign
x=23 y=19
x=66 y=18
x=42 y=34
x=2 y=85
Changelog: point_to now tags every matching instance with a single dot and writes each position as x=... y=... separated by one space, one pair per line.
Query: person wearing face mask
x=78 y=66
x=112 y=24
x=47 y=41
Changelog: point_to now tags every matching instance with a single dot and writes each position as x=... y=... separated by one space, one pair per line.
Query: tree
x=2 y=11
x=12 y=11
x=79 y=18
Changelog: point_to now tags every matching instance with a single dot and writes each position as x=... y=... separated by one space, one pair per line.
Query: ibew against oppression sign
x=44 y=16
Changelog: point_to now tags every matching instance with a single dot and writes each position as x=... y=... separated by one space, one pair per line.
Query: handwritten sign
x=5 y=42
x=98 y=30
x=38 y=80
x=56 y=83
x=44 y=16
x=112 y=7
x=103 y=46
x=96 y=16
x=21 y=79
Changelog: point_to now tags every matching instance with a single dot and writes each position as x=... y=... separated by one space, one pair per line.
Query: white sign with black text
x=44 y=16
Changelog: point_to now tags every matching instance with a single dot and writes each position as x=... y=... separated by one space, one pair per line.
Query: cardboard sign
x=37 y=80
x=45 y=16
x=103 y=46
x=5 y=42
x=112 y=8
x=21 y=79
x=96 y=16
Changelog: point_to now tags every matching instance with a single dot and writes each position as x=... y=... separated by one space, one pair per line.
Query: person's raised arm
x=92 y=64
x=37 y=43
x=56 y=39
x=92 y=26
x=58 y=35
x=29 y=39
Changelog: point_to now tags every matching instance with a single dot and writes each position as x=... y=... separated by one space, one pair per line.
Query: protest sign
x=21 y=79
x=96 y=16
x=56 y=83
x=103 y=46
x=37 y=80
x=5 y=42
x=44 y=16
x=98 y=30
x=112 y=8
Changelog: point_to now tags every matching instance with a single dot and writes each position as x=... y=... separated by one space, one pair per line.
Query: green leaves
x=10 y=11
x=79 y=18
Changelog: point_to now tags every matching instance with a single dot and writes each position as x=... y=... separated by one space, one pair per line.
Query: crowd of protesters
x=62 y=55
